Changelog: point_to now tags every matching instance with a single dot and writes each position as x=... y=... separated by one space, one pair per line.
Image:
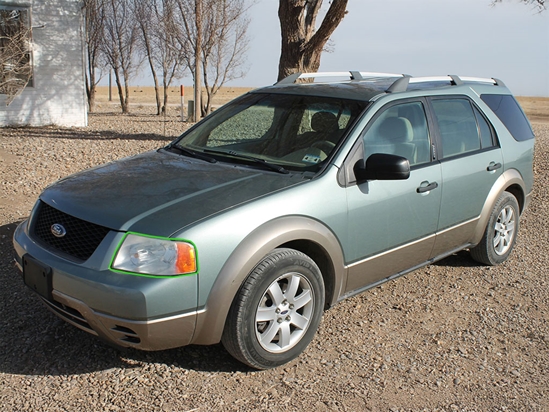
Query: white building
x=56 y=93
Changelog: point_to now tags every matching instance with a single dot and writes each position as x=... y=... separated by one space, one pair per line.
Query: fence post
x=182 y=93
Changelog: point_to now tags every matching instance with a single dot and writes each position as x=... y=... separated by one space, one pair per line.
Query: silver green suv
x=279 y=205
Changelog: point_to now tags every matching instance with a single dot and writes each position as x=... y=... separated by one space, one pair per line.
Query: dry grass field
x=537 y=108
x=145 y=95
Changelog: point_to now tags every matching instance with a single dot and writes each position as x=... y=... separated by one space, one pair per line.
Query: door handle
x=493 y=166
x=427 y=188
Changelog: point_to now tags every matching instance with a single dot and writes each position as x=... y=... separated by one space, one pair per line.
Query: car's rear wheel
x=277 y=310
x=501 y=232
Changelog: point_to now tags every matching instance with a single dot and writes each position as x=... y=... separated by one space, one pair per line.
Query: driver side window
x=400 y=130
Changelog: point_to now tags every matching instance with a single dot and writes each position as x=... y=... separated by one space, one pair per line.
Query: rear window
x=509 y=112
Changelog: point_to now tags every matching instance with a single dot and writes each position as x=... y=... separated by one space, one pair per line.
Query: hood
x=160 y=192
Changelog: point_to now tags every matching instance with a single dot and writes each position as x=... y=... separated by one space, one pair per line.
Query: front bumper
x=126 y=310
x=151 y=335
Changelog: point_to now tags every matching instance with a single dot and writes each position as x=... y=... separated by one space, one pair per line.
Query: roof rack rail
x=351 y=74
x=401 y=85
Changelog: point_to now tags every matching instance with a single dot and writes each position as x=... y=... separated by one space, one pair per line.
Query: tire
x=277 y=310
x=501 y=232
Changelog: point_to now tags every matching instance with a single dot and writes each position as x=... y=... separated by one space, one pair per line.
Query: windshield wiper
x=192 y=153
x=257 y=160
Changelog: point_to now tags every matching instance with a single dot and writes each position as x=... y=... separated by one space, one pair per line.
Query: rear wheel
x=500 y=234
x=277 y=310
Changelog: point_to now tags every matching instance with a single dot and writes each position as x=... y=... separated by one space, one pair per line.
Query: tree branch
x=334 y=16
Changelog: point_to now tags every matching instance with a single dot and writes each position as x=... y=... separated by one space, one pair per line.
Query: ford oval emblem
x=58 y=230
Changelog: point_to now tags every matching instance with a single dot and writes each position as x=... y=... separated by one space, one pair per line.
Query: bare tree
x=537 y=4
x=302 y=42
x=94 y=14
x=147 y=24
x=225 y=44
x=170 y=57
x=120 y=45
x=214 y=35
x=15 y=53
x=156 y=25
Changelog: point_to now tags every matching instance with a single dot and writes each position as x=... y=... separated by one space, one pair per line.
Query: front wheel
x=277 y=310
x=501 y=232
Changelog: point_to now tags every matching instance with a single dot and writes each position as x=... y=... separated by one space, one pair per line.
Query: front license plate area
x=37 y=276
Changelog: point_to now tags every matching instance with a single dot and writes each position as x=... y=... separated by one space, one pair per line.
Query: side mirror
x=382 y=166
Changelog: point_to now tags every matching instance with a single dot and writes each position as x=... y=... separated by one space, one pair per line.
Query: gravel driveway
x=453 y=336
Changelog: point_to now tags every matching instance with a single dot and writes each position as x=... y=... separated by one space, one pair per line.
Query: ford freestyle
x=278 y=205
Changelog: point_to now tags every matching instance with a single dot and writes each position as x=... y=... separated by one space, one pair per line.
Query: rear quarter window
x=509 y=112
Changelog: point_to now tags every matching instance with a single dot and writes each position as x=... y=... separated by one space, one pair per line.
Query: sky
x=426 y=37
x=509 y=41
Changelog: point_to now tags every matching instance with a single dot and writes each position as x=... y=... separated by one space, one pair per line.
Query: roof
x=364 y=86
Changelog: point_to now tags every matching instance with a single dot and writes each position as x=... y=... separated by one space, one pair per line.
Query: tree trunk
x=165 y=86
x=198 y=62
x=91 y=98
x=127 y=95
x=165 y=105
x=159 y=108
x=123 y=101
x=302 y=44
x=91 y=88
x=148 y=51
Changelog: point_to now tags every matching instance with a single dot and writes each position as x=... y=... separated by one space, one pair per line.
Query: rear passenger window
x=457 y=123
x=509 y=112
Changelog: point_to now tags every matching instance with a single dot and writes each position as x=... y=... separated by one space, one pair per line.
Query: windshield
x=295 y=132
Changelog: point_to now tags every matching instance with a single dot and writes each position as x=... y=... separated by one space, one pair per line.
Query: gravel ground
x=453 y=336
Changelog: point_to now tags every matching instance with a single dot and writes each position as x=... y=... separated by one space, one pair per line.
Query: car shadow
x=460 y=259
x=33 y=341
x=80 y=134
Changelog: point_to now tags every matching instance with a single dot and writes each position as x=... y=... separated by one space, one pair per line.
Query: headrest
x=324 y=122
x=396 y=130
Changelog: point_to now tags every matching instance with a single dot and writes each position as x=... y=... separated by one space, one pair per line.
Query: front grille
x=81 y=238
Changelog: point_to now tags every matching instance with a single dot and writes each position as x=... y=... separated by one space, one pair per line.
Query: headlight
x=148 y=255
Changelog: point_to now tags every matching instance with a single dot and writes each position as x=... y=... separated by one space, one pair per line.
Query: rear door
x=471 y=162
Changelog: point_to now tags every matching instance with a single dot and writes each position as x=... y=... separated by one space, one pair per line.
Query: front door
x=392 y=224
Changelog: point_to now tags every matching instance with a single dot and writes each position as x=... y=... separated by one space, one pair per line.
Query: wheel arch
x=305 y=234
x=510 y=181
x=323 y=261
x=517 y=191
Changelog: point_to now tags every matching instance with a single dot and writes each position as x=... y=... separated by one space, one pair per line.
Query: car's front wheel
x=501 y=232
x=277 y=310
